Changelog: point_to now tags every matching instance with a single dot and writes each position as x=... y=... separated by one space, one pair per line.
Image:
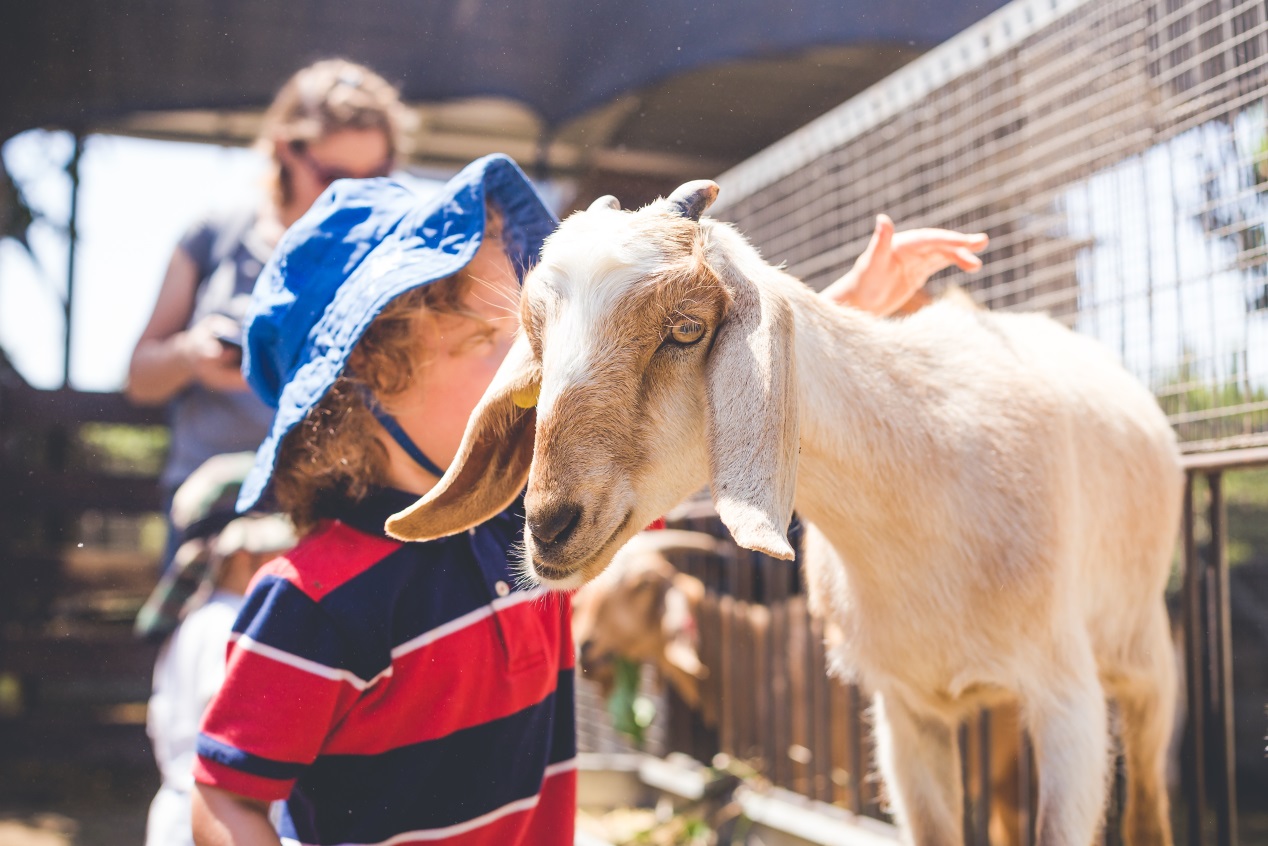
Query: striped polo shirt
x=397 y=693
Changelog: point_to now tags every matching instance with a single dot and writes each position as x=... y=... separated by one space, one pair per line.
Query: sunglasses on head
x=327 y=174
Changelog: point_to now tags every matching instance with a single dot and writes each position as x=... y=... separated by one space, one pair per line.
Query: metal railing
x=63 y=497
x=1210 y=778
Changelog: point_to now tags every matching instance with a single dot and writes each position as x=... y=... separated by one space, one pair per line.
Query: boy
x=390 y=692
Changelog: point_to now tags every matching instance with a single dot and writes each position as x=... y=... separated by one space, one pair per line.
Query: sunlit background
x=1116 y=151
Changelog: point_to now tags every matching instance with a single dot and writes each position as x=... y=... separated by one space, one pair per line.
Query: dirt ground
x=68 y=784
x=76 y=767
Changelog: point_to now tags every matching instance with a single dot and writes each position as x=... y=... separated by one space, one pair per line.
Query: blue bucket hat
x=361 y=245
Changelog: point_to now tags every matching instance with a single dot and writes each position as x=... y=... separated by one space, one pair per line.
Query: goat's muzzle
x=579 y=499
x=553 y=524
x=567 y=544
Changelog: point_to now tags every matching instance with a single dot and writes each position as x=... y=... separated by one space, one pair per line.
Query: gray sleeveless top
x=229 y=255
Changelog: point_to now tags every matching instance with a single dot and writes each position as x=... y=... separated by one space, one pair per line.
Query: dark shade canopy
x=710 y=82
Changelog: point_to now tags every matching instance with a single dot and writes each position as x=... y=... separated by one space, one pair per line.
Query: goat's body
x=992 y=504
x=1038 y=485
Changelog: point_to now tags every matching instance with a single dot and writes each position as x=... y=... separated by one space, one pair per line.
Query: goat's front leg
x=1067 y=719
x=1146 y=695
x=920 y=761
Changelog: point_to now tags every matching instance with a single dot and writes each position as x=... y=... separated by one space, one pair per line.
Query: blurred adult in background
x=332 y=120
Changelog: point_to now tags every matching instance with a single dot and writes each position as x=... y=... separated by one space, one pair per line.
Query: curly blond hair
x=334 y=454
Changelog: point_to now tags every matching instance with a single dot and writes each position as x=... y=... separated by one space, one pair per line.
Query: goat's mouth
x=591 y=662
x=559 y=578
x=555 y=574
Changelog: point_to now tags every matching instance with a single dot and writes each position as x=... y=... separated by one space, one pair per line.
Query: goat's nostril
x=554 y=524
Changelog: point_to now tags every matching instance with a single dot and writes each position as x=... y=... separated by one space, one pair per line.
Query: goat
x=642 y=609
x=992 y=500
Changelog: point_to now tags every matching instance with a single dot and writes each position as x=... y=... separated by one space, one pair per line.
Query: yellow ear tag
x=526 y=397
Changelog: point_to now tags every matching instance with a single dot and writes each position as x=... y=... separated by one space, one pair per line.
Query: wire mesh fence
x=1116 y=151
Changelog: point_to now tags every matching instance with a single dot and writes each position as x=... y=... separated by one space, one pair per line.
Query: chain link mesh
x=1116 y=151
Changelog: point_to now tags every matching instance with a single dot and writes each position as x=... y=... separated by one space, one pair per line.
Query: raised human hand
x=897 y=265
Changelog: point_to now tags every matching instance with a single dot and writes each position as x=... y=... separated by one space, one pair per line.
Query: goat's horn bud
x=607 y=201
x=692 y=198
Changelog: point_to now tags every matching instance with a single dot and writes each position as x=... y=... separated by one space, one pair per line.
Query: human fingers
x=222 y=373
x=201 y=347
x=935 y=258
x=923 y=240
x=878 y=244
x=966 y=260
x=883 y=235
x=215 y=323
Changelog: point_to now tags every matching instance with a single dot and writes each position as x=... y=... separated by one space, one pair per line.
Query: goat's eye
x=686 y=331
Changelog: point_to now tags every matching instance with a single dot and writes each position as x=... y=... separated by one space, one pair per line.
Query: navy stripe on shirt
x=356 y=792
x=360 y=637
x=223 y=753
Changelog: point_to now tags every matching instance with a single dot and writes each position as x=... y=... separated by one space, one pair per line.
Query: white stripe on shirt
x=428 y=834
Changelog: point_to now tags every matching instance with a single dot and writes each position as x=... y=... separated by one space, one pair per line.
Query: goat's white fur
x=992 y=499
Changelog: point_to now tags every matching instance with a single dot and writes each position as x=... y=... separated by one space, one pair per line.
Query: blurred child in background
x=198 y=600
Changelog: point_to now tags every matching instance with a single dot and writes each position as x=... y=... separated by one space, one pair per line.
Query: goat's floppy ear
x=753 y=425
x=491 y=467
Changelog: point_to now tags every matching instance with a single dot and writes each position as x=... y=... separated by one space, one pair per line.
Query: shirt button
x=502 y=588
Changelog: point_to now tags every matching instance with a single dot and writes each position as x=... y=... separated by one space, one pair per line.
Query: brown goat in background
x=643 y=609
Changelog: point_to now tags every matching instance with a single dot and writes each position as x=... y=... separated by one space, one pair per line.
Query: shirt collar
x=371 y=512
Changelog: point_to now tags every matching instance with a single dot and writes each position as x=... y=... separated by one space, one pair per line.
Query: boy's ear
x=491 y=467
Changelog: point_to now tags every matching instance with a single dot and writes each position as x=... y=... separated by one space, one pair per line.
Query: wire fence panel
x=1116 y=151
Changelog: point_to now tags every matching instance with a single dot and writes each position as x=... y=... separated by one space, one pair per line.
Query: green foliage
x=1185 y=394
x=1246 y=510
x=123 y=449
x=1194 y=403
x=631 y=713
x=1246 y=503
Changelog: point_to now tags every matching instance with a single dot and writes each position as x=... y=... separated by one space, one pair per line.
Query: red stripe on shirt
x=329 y=557
x=426 y=680
x=567 y=651
x=300 y=704
x=555 y=818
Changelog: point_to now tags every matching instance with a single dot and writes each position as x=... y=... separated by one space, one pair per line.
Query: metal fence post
x=1195 y=759
x=1220 y=642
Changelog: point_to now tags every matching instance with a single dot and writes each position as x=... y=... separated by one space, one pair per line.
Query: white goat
x=993 y=499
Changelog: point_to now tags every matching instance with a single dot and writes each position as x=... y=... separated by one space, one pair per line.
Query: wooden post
x=72 y=236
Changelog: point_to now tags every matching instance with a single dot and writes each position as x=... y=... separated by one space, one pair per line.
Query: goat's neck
x=864 y=403
x=866 y=388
